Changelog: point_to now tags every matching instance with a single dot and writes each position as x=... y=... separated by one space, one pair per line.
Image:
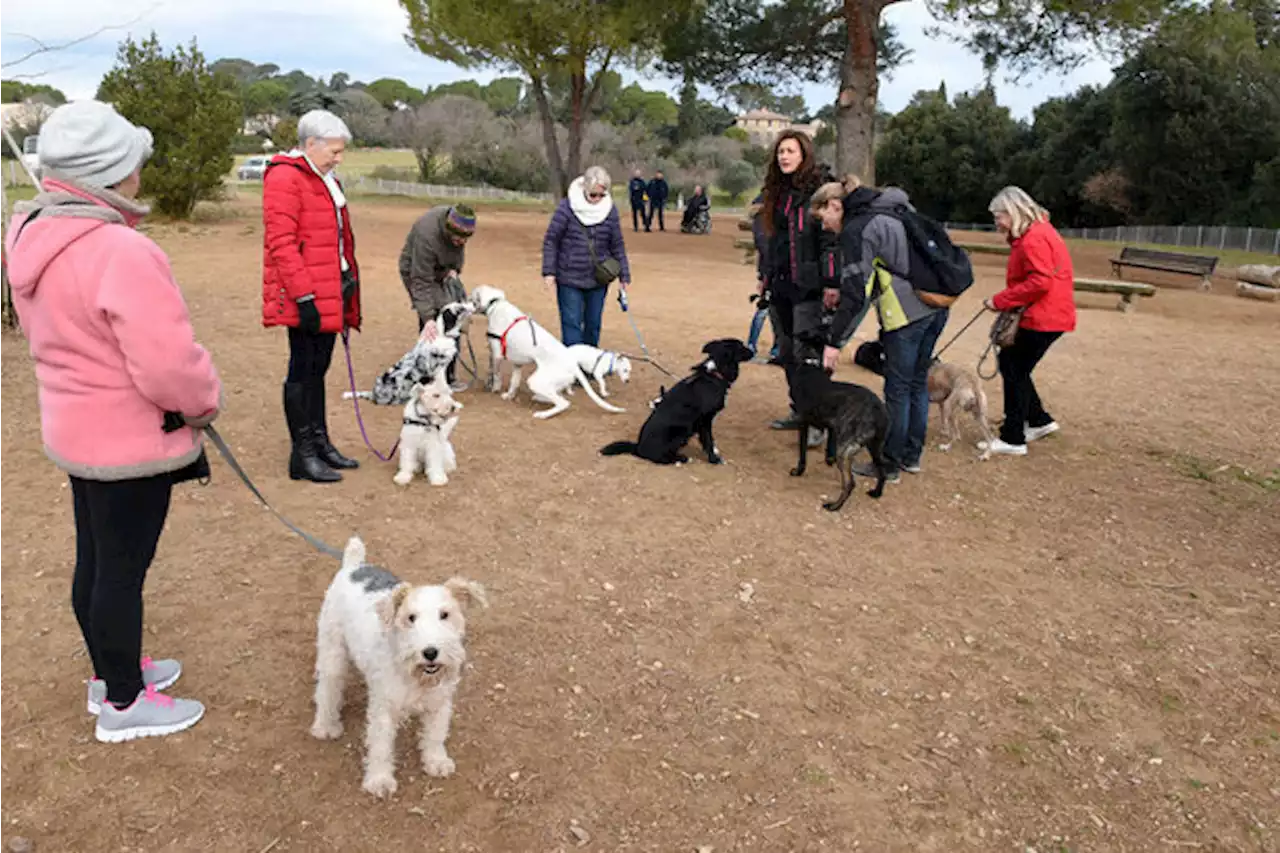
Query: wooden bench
x=1174 y=262
x=1126 y=289
x=985 y=248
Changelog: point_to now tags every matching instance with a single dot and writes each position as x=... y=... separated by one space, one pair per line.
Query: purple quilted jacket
x=564 y=248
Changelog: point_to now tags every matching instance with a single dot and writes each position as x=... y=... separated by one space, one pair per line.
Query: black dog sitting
x=853 y=416
x=688 y=409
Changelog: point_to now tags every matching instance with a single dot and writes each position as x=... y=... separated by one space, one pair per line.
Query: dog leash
x=937 y=355
x=355 y=401
x=230 y=458
x=626 y=312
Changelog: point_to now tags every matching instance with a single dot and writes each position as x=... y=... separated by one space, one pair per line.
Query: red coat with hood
x=300 y=247
x=1040 y=277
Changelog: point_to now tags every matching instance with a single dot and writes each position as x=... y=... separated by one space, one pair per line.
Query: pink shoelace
x=146 y=662
x=158 y=698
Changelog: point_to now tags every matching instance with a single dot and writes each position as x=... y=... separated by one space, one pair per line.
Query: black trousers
x=118 y=526
x=639 y=216
x=656 y=209
x=1022 y=406
x=309 y=355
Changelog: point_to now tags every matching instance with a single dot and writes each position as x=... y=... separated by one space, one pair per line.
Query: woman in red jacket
x=310 y=282
x=1041 y=280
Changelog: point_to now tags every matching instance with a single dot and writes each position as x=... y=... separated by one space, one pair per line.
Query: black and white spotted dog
x=420 y=365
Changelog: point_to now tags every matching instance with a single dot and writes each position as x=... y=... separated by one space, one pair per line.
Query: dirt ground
x=1077 y=650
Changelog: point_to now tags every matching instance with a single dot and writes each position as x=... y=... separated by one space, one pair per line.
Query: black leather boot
x=304 y=462
x=324 y=448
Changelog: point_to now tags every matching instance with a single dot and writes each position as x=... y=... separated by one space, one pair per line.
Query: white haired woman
x=310 y=282
x=582 y=253
x=1040 y=280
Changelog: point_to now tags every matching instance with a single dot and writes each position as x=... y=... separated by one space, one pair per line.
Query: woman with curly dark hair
x=791 y=279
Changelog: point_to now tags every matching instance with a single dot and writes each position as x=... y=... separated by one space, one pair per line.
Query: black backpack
x=938 y=269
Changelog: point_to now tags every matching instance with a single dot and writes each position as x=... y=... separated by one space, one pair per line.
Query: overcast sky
x=324 y=36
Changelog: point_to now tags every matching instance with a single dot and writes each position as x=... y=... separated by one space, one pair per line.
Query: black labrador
x=853 y=416
x=689 y=408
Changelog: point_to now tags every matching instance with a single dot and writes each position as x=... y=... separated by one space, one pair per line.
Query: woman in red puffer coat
x=1040 y=279
x=310 y=282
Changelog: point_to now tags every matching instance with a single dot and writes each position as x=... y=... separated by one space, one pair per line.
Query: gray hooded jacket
x=882 y=237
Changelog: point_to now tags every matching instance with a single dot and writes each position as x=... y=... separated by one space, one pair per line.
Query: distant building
x=763 y=126
x=260 y=124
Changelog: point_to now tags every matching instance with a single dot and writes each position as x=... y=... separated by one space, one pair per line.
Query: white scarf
x=335 y=191
x=588 y=212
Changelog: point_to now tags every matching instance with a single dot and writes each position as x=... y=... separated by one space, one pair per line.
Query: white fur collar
x=588 y=213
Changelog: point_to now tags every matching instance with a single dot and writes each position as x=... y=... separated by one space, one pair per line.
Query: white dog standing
x=598 y=364
x=429 y=419
x=407 y=642
x=517 y=338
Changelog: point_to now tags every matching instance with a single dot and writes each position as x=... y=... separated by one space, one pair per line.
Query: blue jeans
x=580 y=313
x=907 y=354
x=753 y=337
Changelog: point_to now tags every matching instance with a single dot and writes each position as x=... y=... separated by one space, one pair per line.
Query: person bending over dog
x=872 y=243
x=431 y=265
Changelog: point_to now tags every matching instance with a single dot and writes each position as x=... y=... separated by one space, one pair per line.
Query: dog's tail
x=620 y=448
x=353 y=555
x=591 y=392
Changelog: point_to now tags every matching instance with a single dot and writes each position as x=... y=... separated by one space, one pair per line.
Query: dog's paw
x=379 y=784
x=831 y=506
x=321 y=731
x=438 y=480
x=830 y=460
x=509 y=395
x=715 y=459
x=439 y=766
x=797 y=472
x=402 y=479
x=944 y=447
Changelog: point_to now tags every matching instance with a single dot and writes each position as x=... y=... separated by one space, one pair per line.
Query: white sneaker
x=1003 y=448
x=1037 y=433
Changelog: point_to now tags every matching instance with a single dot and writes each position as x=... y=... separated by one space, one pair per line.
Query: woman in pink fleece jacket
x=124 y=391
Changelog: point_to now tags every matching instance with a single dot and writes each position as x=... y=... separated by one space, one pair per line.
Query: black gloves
x=308 y=315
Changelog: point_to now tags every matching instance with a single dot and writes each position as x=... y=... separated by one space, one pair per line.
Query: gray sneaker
x=458 y=386
x=160 y=674
x=152 y=714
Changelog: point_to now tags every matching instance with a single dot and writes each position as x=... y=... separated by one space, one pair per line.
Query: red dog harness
x=502 y=339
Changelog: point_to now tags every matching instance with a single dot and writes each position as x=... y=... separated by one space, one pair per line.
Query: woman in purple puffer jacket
x=584 y=234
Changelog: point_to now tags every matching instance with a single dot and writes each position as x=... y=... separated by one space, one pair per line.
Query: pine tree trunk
x=558 y=178
x=859 y=88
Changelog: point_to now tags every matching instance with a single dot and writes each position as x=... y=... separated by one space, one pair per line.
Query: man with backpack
x=907 y=268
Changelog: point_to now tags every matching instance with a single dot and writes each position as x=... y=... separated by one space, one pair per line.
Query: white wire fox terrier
x=407 y=642
x=429 y=420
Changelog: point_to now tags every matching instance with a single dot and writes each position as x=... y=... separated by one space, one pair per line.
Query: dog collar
x=489 y=305
x=420 y=420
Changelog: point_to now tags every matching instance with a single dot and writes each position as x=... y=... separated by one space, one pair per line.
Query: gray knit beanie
x=92 y=143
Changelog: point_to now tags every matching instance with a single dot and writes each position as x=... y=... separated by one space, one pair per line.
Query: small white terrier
x=429 y=419
x=407 y=642
x=597 y=364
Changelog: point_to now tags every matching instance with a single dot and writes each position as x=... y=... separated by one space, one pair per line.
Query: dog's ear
x=390 y=606
x=467 y=592
x=743 y=352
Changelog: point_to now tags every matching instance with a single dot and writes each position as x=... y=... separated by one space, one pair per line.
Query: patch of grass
x=1170 y=703
x=1210 y=470
x=1197 y=785
x=20 y=192
x=815 y=775
x=1016 y=750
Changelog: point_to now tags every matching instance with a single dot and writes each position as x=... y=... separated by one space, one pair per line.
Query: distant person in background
x=310 y=282
x=584 y=231
x=1041 y=280
x=658 y=192
x=636 y=191
x=697 y=213
x=431 y=265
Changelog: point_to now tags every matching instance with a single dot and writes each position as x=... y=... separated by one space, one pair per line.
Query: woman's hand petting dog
x=830 y=357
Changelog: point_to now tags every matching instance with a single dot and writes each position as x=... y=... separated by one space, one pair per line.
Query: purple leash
x=355 y=400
